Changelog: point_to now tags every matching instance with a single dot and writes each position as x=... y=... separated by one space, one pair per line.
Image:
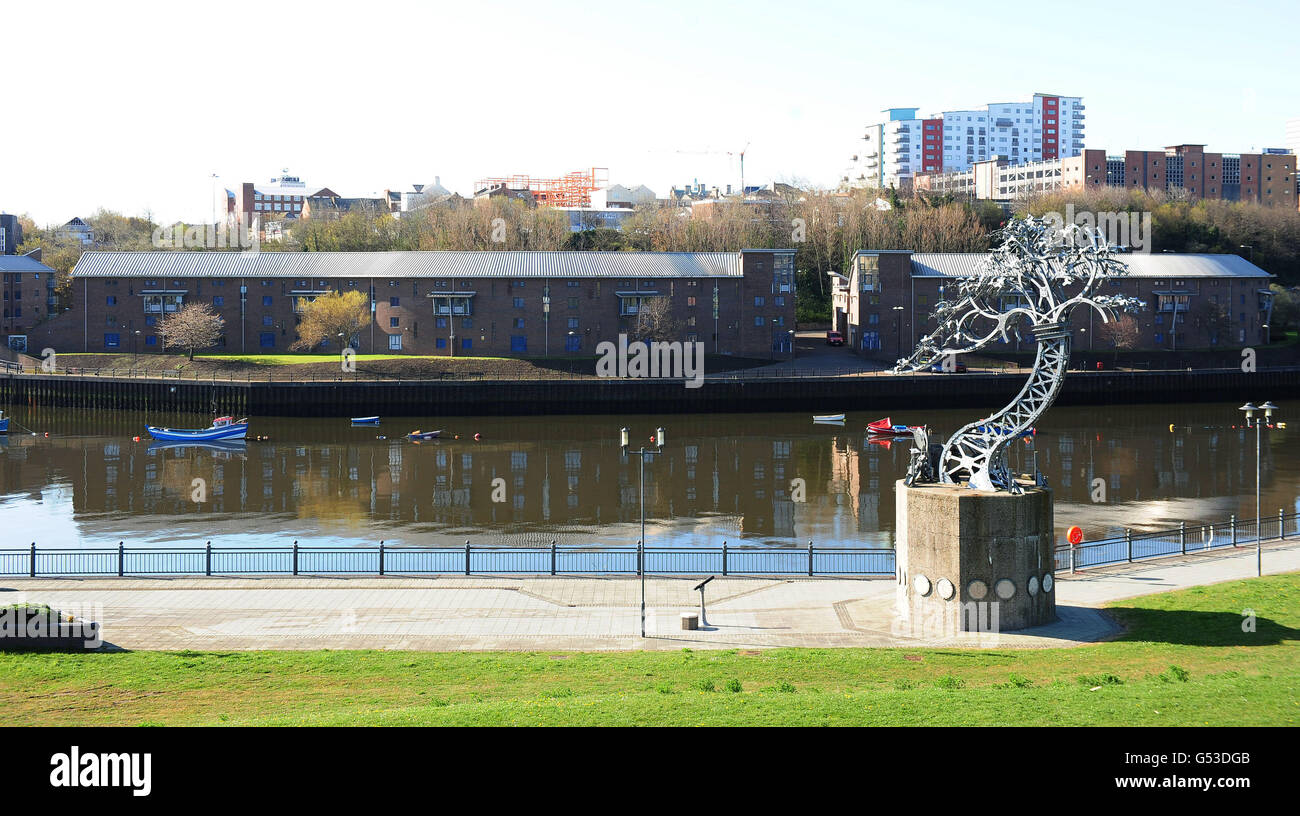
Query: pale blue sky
x=135 y=110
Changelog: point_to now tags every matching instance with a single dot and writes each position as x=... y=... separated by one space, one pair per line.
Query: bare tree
x=655 y=321
x=1121 y=333
x=193 y=327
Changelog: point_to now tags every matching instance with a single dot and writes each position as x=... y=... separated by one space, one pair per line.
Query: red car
x=834 y=338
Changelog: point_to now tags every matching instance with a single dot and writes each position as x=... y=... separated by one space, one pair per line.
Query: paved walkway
x=559 y=613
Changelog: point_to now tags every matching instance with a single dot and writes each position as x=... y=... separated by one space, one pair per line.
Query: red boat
x=886 y=427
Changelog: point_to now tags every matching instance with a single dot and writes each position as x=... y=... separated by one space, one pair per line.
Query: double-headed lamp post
x=658 y=440
x=1249 y=408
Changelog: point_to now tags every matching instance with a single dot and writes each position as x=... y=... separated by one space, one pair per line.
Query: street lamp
x=1252 y=251
x=1250 y=409
x=658 y=440
x=898 y=320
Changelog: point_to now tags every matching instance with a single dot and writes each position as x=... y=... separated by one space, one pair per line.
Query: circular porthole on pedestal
x=1005 y=589
x=1033 y=585
x=946 y=589
x=1048 y=582
x=921 y=585
x=977 y=590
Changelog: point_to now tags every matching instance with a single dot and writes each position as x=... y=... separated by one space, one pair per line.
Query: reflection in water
x=563 y=478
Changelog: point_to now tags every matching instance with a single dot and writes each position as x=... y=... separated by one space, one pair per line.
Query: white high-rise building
x=904 y=145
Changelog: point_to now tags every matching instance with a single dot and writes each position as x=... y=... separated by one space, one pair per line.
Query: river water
x=533 y=480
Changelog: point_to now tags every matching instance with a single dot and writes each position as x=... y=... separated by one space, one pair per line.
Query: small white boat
x=828 y=418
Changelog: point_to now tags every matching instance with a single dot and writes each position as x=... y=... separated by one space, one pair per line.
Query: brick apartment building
x=453 y=303
x=27 y=289
x=1267 y=178
x=883 y=306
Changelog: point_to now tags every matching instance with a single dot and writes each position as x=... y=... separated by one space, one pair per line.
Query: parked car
x=834 y=338
x=958 y=368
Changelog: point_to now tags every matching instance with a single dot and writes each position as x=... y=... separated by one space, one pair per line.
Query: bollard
x=32 y=570
x=552 y=556
x=1182 y=537
x=121 y=558
x=295 y=557
x=207 y=559
x=1232 y=520
x=1281 y=524
x=467 y=556
x=724 y=556
x=1072 y=548
x=1128 y=541
x=640 y=557
x=810 y=558
x=381 y=557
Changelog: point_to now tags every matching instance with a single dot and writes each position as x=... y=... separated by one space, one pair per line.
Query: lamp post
x=1251 y=258
x=898 y=320
x=658 y=440
x=1250 y=409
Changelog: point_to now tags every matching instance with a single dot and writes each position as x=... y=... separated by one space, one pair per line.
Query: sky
x=135 y=106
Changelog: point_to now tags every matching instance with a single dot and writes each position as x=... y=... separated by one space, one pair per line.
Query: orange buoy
x=1074 y=535
x=135 y=439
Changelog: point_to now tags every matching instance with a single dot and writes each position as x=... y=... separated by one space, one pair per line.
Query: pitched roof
x=22 y=263
x=1140 y=265
x=488 y=264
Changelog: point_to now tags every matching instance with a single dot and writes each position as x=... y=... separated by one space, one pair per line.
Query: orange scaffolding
x=570 y=190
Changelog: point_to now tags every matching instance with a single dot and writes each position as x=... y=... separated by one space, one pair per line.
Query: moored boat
x=828 y=418
x=886 y=427
x=423 y=436
x=4 y=423
x=374 y=420
x=223 y=428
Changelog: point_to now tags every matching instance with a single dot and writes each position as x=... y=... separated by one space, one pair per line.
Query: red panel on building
x=931 y=145
x=1051 y=128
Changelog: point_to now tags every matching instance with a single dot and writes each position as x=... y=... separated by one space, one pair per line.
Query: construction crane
x=740 y=154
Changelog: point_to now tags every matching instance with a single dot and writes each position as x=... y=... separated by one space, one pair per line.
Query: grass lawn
x=1183 y=661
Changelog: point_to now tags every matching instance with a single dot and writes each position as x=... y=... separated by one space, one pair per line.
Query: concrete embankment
x=592 y=396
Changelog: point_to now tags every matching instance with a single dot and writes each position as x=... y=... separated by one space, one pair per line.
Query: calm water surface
x=721 y=476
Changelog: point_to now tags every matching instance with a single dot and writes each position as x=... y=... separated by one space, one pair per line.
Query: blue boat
x=4 y=423
x=223 y=428
x=374 y=420
x=219 y=446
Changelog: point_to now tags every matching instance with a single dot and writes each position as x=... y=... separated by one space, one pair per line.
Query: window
x=394 y=342
x=466 y=343
x=573 y=343
x=573 y=303
x=518 y=343
x=112 y=340
x=759 y=320
x=151 y=340
x=266 y=339
x=1160 y=338
x=873 y=319
x=111 y=300
x=394 y=302
x=690 y=301
x=573 y=322
x=519 y=303
x=150 y=320
x=440 y=322
x=519 y=322
x=218 y=301
x=441 y=343
x=779 y=300
x=266 y=300
x=758 y=300
x=267 y=321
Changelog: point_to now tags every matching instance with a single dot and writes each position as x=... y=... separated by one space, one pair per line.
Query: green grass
x=1184 y=660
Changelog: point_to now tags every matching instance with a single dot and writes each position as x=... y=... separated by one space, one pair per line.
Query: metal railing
x=34 y=562
x=290 y=373
x=1181 y=540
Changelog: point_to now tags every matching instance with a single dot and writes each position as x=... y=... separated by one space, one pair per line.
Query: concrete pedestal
x=974 y=561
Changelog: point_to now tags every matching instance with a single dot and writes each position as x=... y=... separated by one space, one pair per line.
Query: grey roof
x=1140 y=265
x=488 y=264
x=22 y=263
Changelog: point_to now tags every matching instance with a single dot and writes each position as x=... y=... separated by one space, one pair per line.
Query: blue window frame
x=218 y=301
x=266 y=300
x=394 y=302
x=573 y=343
x=440 y=322
x=266 y=339
x=392 y=322
x=151 y=340
x=111 y=300
x=112 y=340
x=1160 y=338
x=518 y=343
x=440 y=342
x=267 y=321
x=519 y=303
x=466 y=343
x=150 y=320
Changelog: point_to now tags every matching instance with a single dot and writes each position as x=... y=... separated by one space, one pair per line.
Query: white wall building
x=1043 y=128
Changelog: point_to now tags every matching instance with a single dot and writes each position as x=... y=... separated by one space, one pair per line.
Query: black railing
x=727 y=559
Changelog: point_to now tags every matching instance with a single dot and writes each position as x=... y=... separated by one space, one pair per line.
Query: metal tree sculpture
x=1024 y=280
